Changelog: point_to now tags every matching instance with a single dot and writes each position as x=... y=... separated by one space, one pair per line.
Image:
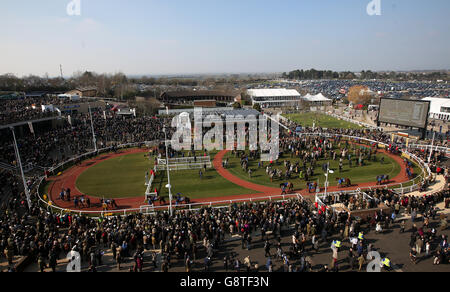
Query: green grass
x=124 y=176
x=321 y=120
x=357 y=175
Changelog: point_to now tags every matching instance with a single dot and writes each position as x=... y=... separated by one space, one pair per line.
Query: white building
x=439 y=108
x=318 y=100
x=270 y=98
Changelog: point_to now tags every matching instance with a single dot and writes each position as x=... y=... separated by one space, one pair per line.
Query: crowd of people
x=187 y=235
x=51 y=145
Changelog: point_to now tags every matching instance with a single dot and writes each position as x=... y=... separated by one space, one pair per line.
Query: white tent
x=316 y=98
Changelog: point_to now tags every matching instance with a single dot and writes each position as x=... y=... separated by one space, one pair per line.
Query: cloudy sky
x=222 y=36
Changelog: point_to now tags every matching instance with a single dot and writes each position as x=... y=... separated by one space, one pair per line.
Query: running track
x=69 y=177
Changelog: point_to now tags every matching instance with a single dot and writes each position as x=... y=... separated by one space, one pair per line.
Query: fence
x=184 y=163
x=353 y=121
x=186 y=160
x=429 y=147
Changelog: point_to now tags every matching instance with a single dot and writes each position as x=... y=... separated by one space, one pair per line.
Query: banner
x=404 y=155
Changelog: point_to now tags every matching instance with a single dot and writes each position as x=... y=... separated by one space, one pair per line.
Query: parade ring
x=67 y=174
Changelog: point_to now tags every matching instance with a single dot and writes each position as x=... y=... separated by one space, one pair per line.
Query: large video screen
x=402 y=112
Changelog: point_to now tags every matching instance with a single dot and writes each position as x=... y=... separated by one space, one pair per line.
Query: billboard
x=409 y=113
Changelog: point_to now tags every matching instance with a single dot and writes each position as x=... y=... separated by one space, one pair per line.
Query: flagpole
x=431 y=149
x=16 y=150
x=93 y=132
x=169 y=186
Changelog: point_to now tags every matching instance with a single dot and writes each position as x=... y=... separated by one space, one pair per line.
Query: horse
x=153 y=199
x=382 y=179
x=290 y=187
x=344 y=182
x=348 y=182
x=179 y=199
x=108 y=204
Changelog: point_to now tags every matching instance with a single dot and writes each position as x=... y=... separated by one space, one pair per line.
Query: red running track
x=69 y=177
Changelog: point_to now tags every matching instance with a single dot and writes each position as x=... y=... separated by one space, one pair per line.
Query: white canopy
x=316 y=98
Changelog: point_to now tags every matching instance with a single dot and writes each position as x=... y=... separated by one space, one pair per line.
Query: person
x=419 y=245
x=188 y=264
x=361 y=261
x=267 y=249
x=413 y=215
x=402 y=227
x=351 y=258
x=52 y=263
x=41 y=263
x=379 y=229
x=269 y=265
x=237 y=265
x=413 y=255
x=225 y=263
x=248 y=264
x=386 y=263
x=427 y=249
x=207 y=263
x=315 y=243
x=119 y=257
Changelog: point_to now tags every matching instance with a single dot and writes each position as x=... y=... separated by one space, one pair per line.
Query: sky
x=158 y=37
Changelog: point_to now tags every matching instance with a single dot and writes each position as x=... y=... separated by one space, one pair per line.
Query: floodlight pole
x=169 y=186
x=16 y=150
x=93 y=132
x=432 y=145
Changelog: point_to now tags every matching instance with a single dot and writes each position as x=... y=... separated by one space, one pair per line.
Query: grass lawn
x=124 y=176
x=322 y=120
x=357 y=175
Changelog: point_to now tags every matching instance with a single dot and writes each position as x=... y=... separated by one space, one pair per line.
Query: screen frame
x=409 y=100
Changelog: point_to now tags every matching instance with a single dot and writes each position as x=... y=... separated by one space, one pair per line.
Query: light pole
x=169 y=186
x=326 y=175
x=431 y=150
x=93 y=132
x=19 y=161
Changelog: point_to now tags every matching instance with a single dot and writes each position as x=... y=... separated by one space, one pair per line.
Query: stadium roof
x=273 y=92
x=199 y=93
x=436 y=104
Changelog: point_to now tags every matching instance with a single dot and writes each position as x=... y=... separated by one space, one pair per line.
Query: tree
x=359 y=94
x=257 y=107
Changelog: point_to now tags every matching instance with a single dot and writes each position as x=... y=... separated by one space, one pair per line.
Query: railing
x=186 y=160
x=8 y=167
x=429 y=147
x=148 y=191
x=353 y=121
x=187 y=166
x=152 y=209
